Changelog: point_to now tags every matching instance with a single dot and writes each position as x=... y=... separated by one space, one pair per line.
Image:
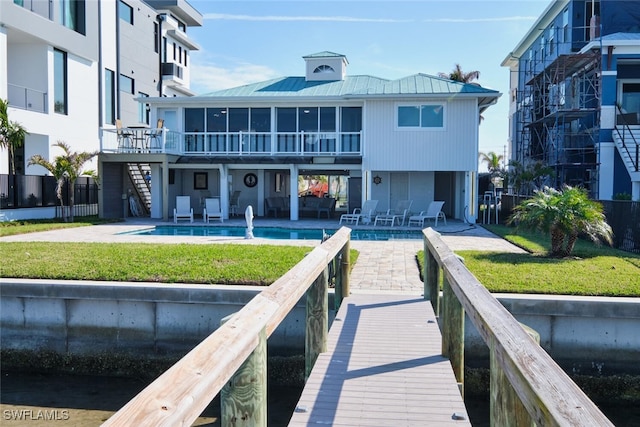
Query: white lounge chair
x=183 y=209
x=398 y=214
x=366 y=214
x=212 y=210
x=434 y=211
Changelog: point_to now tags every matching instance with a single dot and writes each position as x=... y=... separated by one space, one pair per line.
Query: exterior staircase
x=142 y=187
x=627 y=140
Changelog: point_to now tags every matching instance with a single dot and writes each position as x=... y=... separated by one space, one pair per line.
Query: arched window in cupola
x=324 y=69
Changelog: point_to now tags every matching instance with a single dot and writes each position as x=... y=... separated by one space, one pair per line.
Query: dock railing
x=527 y=386
x=232 y=360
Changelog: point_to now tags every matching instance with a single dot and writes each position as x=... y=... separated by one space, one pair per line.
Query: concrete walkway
x=382 y=267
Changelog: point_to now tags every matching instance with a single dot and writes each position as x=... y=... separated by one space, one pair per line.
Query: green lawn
x=171 y=263
x=592 y=270
x=9 y=228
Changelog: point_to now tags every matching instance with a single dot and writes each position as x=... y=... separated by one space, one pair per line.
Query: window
x=156 y=37
x=551 y=36
x=421 y=116
x=308 y=119
x=109 y=96
x=286 y=120
x=216 y=119
x=179 y=54
x=126 y=84
x=175 y=51
x=185 y=57
x=238 y=119
x=351 y=119
x=126 y=12
x=164 y=49
x=143 y=114
x=565 y=26
x=323 y=69
x=60 y=81
x=71 y=14
x=260 y=119
x=194 y=119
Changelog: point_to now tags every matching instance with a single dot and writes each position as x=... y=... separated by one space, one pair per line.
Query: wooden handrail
x=548 y=394
x=180 y=394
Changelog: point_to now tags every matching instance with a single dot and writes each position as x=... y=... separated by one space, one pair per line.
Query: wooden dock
x=383 y=367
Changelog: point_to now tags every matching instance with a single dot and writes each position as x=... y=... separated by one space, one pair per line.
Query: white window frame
x=420 y=127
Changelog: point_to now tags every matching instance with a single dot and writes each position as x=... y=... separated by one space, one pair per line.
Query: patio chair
x=154 y=136
x=434 y=211
x=212 y=210
x=399 y=214
x=366 y=214
x=183 y=209
x=234 y=203
x=125 y=136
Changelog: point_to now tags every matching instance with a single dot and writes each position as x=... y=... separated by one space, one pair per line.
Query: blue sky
x=250 y=41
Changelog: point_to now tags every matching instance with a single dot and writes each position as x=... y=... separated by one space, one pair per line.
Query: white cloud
x=208 y=77
x=276 y=18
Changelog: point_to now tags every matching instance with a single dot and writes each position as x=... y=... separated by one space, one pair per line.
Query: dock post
x=452 y=321
x=342 y=289
x=431 y=279
x=243 y=400
x=506 y=408
x=317 y=327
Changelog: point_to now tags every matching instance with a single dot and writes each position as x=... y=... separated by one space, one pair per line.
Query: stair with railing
x=142 y=187
x=627 y=140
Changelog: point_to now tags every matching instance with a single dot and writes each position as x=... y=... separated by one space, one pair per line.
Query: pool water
x=277 y=233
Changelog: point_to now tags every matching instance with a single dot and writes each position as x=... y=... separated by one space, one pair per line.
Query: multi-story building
x=71 y=67
x=414 y=138
x=575 y=95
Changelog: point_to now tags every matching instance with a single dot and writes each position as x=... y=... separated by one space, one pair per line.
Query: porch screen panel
x=238 y=122
x=193 y=129
x=350 y=126
x=286 y=127
x=327 y=138
x=217 y=129
x=260 y=138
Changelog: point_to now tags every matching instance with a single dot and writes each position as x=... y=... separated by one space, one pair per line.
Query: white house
x=71 y=67
x=414 y=138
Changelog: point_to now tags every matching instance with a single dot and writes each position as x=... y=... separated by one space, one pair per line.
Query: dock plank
x=383 y=367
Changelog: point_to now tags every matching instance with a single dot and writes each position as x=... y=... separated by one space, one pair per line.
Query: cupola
x=326 y=66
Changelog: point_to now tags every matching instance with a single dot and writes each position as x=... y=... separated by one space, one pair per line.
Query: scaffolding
x=558 y=114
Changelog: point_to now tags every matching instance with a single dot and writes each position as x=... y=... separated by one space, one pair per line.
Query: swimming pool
x=277 y=233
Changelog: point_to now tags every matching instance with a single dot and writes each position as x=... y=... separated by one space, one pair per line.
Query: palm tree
x=12 y=135
x=65 y=167
x=564 y=215
x=457 y=75
x=493 y=161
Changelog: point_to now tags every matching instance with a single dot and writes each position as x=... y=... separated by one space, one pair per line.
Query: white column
x=293 y=197
x=635 y=191
x=606 y=157
x=225 y=189
x=156 y=190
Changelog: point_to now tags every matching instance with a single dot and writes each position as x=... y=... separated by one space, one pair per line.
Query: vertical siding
x=453 y=149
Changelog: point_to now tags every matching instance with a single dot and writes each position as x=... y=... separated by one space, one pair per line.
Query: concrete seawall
x=157 y=320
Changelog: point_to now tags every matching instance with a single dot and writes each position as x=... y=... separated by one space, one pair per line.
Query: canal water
x=38 y=400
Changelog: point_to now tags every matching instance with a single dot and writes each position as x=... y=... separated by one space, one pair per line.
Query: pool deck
x=383 y=266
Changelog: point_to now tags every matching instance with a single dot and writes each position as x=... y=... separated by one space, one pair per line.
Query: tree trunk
x=571 y=242
x=557 y=239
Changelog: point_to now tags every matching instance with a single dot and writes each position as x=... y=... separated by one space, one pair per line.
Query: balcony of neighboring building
x=172 y=74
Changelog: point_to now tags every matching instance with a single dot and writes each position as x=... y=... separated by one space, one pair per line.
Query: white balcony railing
x=137 y=140
x=26 y=98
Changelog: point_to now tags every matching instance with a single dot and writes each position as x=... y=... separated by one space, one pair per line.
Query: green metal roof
x=353 y=86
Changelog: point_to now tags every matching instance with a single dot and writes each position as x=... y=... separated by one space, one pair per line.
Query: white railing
x=129 y=140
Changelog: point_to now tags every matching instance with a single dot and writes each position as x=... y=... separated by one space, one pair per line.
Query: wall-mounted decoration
x=250 y=180
x=200 y=181
x=278 y=188
x=377 y=180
